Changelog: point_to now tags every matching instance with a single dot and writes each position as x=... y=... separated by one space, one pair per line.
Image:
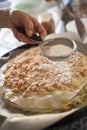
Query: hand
x=28 y=23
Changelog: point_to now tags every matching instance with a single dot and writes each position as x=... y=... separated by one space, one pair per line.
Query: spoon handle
x=79 y=24
x=67 y=10
x=81 y=29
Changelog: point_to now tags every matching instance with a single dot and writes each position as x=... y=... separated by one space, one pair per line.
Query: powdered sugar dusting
x=39 y=74
x=65 y=72
x=59 y=50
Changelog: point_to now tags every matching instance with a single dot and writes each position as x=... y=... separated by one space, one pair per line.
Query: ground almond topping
x=30 y=71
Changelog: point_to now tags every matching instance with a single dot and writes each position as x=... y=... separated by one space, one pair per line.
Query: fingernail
x=30 y=33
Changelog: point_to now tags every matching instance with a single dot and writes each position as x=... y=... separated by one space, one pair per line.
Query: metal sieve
x=58 y=48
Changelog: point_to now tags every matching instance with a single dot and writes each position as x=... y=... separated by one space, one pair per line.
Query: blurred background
x=37 y=7
x=52 y=15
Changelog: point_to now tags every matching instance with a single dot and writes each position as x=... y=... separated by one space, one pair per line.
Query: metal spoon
x=79 y=24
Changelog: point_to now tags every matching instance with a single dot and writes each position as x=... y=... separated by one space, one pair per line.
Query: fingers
x=28 y=25
x=20 y=36
x=33 y=26
x=19 y=19
x=39 y=28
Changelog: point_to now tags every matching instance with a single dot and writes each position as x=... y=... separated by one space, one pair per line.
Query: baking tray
x=51 y=118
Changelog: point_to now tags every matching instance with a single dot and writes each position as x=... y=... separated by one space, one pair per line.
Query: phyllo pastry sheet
x=32 y=82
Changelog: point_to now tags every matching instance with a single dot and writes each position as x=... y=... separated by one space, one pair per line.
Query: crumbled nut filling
x=30 y=71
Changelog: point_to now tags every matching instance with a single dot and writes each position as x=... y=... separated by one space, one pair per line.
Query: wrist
x=4 y=18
